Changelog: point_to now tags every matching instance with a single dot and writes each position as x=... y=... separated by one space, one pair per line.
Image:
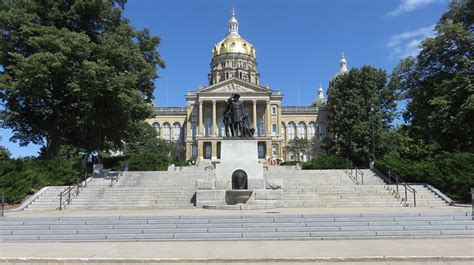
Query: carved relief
x=233 y=88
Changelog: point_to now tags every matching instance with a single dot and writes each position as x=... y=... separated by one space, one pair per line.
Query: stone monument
x=239 y=182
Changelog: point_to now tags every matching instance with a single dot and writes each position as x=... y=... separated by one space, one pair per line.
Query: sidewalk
x=403 y=251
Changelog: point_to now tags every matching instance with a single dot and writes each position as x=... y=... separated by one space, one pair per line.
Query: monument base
x=237 y=155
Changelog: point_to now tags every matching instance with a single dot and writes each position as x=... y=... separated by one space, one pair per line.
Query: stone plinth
x=238 y=153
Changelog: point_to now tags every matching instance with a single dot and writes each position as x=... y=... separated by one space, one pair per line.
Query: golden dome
x=233 y=44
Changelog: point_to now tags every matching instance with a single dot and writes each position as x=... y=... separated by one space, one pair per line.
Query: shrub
x=148 y=161
x=181 y=163
x=289 y=163
x=20 y=177
x=451 y=173
x=326 y=162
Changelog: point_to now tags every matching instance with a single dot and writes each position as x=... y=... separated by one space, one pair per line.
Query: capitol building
x=199 y=126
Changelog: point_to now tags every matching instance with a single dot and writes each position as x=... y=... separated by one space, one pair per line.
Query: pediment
x=234 y=86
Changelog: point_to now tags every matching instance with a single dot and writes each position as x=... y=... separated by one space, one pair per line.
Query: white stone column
x=269 y=119
x=189 y=130
x=200 y=122
x=254 y=112
x=214 y=123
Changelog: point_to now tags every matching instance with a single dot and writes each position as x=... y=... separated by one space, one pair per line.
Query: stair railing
x=65 y=197
x=3 y=204
x=70 y=193
x=354 y=172
x=406 y=187
x=114 y=177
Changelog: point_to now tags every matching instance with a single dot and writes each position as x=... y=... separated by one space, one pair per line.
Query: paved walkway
x=378 y=251
x=415 y=251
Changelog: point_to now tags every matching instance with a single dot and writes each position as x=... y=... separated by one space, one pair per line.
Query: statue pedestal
x=239 y=154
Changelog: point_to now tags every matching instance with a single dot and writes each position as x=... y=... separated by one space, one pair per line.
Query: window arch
x=322 y=130
x=291 y=130
x=302 y=130
x=274 y=129
x=176 y=131
x=312 y=130
x=156 y=125
x=166 y=131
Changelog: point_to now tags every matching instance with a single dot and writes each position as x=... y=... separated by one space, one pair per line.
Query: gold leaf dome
x=233 y=42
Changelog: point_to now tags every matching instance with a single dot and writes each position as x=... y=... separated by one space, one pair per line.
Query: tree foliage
x=146 y=151
x=74 y=73
x=452 y=173
x=439 y=82
x=356 y=99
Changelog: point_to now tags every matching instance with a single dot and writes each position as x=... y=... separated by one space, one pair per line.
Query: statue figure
x=237 y=114
x=228 y=119
x=235 y=120
x=247 y=130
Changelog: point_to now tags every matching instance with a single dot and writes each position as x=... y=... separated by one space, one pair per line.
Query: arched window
x=194 y=130
x=274 y=129
x=302 y=130
x=207 y=127
x=291 y=130
x=261 y=127
x=166 y=131
x=156 y=125
x=176 y=131
x=322 y=131
x=312 y=130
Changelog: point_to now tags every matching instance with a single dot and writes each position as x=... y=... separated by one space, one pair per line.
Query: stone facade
x=199 y=126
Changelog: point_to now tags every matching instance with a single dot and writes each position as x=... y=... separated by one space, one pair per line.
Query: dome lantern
x=233 y=25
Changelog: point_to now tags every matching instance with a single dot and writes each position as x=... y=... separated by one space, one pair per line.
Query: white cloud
x=410 y=5
x=407 y=43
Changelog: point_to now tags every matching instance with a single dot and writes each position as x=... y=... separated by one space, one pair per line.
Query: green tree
x=438 y=83
x=146 y=151
x=359 y=102
x=4 y=153
x=298 y=146
x=74 y=73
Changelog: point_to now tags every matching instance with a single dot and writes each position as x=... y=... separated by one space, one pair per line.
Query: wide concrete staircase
x=135 y=190
x=334 y=188
x=176 y=189
x=268 y=226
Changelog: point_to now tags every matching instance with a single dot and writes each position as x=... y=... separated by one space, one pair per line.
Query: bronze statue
x=237 y=114
x=235 y=120
x=229 y=129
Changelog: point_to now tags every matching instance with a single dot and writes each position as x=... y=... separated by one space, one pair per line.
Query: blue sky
x=298 y=42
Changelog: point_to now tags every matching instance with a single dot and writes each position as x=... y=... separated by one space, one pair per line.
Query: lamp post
x=372 y=111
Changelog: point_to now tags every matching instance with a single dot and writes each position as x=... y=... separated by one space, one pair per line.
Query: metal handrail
x=406 y=186
x=354 y=172
x=114 y=179
x=68 y=193
x=3 y=204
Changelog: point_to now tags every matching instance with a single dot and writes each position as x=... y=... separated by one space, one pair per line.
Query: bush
x=289 y=163
x=148 y=161
x=451 y=173
x=326 y=162
x=181 y=163
x=113 y=162
x=20 y=177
